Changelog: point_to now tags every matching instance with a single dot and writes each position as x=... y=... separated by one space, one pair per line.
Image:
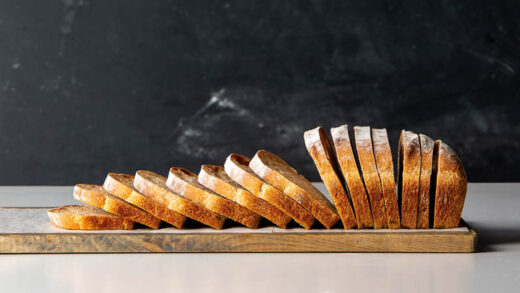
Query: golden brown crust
x=423 y=208
x=185 y=183
x=237 y=168
x=96 y=196
x=451 y=186
x=77 y=217
x=409 y=168
x=367 y=161
x=385 y=168
x=216 y=179
x=352 y=177
x=279 y=174
x=321 y=152
x=154 y=186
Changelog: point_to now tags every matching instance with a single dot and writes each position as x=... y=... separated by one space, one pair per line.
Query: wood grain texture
x=320 y=149
x=29 y=231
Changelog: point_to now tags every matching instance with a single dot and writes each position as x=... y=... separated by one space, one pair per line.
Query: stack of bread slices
x=430 y=189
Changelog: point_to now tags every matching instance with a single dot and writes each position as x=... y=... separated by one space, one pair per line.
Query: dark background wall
x=88 y=87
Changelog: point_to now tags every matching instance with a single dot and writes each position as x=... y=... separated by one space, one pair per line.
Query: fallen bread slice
x=450 y=187
x=75 y=217
x=237 y=168
x=216 y=179
x=385 y=169
x=278 y=173
x=96 y=196
x=363 y=139
x=319 y=148
x=154 y=186
x=409 y=169
x=185 y=183
x=423 y=207
x=120 y=185
x=348 y=165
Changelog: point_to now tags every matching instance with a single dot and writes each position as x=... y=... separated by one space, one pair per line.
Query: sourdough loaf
x=75 y=217
x=321 y=152
x=363 y=139
x=237 y=168
x=279 y=174
x=409 y=168
x=154 y=186
x=385 y=169
x=423 y=208
x=347 y=162
x=450 y=186
x=216 y=179
x=185 y=183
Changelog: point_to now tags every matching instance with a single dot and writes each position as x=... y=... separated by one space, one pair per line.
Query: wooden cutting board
x=28 y=230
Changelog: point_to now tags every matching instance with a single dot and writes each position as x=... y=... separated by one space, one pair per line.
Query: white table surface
x=493 y=210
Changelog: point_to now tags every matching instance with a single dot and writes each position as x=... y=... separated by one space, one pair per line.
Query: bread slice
x=120 y=185
x=385 y=168
x=154 y=186
x=185 y=183
x=348 y=165
x=423 y=207
x=321 y=152
x=97 y=196
x=75 y=217
x=278 y=173
x=409 y=169
x=363 y=139
x=216 y=179
x=450 y=186
x=237 y=168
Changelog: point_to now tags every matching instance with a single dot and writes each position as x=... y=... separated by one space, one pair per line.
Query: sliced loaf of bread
x=237 y=168
x=347 y=162
x=154 y=186
x=185 y=183
x=279 y=174
x=215 y=178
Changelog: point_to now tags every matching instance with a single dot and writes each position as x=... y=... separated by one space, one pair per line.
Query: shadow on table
x=489 y=235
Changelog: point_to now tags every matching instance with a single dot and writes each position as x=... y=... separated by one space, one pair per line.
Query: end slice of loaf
x=154 y=186
x=348 y=165
x=216 y=179
x=278 y=173
x=237 y=168
x=120 y=185
x=75 y=217
x=363 y=139
x=97 y=196
x=409 y=169
x=385 y=168
x=423 y=208
x=185 y=183
x=450 y=186
x=318 y=145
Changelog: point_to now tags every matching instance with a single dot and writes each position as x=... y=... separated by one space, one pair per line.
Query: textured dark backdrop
x=88 y=87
